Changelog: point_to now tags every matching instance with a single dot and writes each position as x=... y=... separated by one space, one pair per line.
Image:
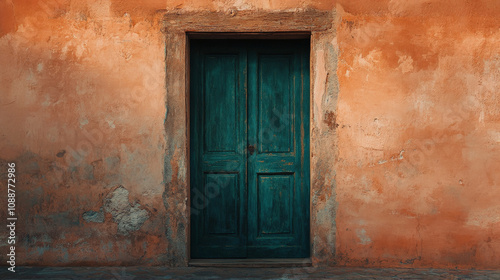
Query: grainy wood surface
x=249 y=21
x=249 y=149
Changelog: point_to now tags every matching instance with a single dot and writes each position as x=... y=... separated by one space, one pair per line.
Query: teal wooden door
x=249 y=149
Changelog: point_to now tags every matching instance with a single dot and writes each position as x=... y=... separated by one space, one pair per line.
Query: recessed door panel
x=274 y=204
x=222 y=210
x=275 y=129
x=220 y=116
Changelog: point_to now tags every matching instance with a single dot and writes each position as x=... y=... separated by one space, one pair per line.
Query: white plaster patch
x=319 y=83
x=243 y=5
x=400 y=157
x=405 y=63
x=487 y=91
x=485 y=217
x=79 y=50
x=423 y=104
x=110 y=123
x=129 y=217
x=30 y=77
x=83 y=122
x=368 y=61
x=393 y=158
x=494 y=135
x=46 y=102
x=472 y=42
x=52 y=134
x=398 y=7
x=364 y=239
x=64 y=51
x=39 y=67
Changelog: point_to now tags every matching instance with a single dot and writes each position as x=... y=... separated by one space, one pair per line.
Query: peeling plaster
x=427 y=70
x=129 y=217
x=363 y=238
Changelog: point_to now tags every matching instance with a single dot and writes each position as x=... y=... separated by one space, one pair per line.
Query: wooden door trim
x=250 y=36
x=178 y=28
x=248 y=21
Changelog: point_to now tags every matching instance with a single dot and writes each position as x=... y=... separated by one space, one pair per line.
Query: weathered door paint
x=249 y=149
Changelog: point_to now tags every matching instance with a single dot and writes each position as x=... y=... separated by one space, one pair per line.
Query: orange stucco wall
x=415 y=121
x=418 y=114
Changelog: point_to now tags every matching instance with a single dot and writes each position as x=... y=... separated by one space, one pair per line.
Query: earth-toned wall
x=403 y=102
x=419 y=133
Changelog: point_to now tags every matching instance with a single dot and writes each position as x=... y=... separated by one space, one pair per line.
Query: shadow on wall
x=83 y=103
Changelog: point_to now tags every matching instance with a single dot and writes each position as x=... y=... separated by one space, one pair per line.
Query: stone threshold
x=250 y=262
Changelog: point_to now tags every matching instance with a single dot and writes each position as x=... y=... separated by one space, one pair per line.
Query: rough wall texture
x=418 y=136
x=83 y=115
x=411 y=131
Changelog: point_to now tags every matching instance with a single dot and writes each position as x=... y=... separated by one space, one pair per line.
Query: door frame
x=178 y=29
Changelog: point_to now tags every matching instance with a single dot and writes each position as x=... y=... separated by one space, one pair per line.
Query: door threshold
x=250 y=262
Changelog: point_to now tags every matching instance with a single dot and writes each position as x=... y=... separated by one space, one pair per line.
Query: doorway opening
x=249 y=148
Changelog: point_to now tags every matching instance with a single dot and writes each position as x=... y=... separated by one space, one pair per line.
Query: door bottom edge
x=277 y=262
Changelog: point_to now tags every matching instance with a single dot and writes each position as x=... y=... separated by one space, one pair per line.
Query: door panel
x=220 y=96
x=218 y=160
x=249 y=149
x=278 y=116
x=274 y=218
x=222 y=218
x=275 y=130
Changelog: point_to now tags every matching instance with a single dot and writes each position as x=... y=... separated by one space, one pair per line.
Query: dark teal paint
x=243 y=204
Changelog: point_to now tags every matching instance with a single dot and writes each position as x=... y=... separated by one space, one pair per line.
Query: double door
x=249 y=148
